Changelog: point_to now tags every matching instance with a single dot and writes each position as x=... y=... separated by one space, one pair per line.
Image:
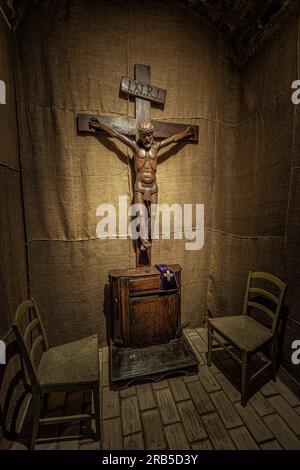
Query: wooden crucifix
x=145 y=148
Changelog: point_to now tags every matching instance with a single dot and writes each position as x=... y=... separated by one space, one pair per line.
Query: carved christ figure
x=145 y=154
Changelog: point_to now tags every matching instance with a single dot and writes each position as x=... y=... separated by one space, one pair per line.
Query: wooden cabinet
x=142 y=313
x=144 y=325
x=153 y=319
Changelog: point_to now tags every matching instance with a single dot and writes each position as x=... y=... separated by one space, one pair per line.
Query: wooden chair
x=69 y=367
x=245 y=334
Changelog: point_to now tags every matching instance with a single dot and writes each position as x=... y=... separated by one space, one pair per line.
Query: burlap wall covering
x=13 y=272
x=13 y=279
x=256 y=201
x=70 y=57
x=70 y=61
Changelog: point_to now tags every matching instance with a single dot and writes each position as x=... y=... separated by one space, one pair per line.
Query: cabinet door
x=153 y=319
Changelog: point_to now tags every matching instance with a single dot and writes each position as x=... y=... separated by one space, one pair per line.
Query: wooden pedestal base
x=131 y=365
x=146 y=340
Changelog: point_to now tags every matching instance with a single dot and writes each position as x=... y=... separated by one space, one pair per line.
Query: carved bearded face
x=146 y=134
x=147 y=139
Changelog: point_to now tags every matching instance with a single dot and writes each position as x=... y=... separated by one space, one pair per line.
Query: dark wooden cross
x=144 y=93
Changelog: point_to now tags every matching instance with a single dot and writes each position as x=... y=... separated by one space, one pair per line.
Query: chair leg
x=46 y=400
x=36 y=409
x=245 y=379
x=274 y=360
x=209 y=342
x=96 y=401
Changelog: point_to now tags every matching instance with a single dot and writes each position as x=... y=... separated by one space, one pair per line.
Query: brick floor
x=202 y=411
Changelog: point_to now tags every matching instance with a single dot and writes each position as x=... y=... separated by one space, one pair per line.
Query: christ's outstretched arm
x=176 y=137
x=94 y=123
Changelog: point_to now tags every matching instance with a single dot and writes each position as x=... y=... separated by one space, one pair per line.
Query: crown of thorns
x=145 y=127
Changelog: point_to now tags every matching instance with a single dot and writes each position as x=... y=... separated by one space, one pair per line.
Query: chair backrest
x=254 y=296
x=30 y=336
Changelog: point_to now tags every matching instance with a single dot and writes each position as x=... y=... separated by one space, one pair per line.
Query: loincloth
x=145 y=190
